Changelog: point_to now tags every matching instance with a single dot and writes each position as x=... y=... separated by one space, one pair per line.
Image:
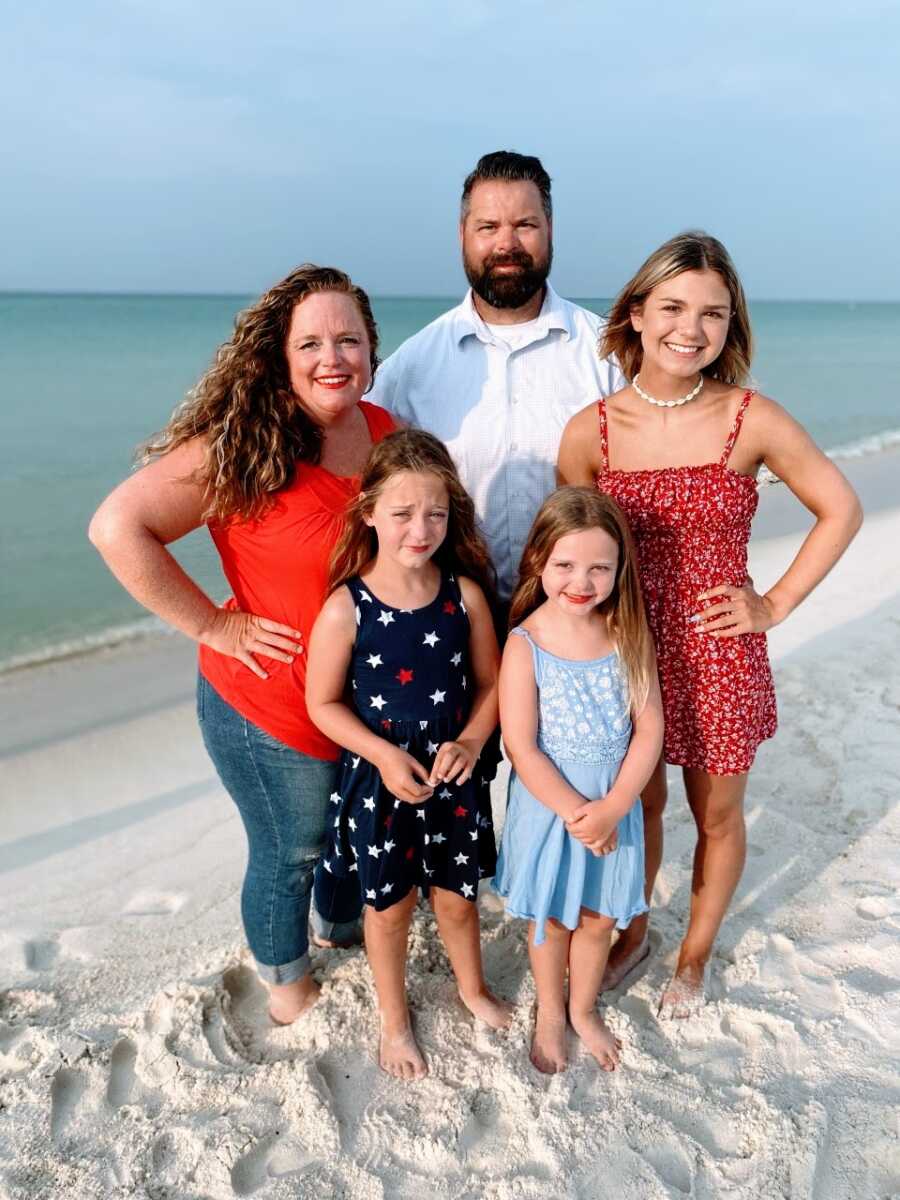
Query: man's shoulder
x=583 y=320
x=444 y=328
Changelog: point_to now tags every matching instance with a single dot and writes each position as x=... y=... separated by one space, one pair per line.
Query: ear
x=636 y=313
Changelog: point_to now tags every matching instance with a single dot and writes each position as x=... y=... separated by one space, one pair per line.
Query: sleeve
x=611 y=377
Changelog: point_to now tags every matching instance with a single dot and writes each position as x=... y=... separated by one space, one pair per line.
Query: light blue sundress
x=584 y=728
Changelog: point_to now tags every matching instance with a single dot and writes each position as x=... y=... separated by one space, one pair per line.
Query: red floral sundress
x=691 y=526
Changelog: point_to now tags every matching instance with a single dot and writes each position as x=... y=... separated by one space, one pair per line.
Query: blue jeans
x=282 y=797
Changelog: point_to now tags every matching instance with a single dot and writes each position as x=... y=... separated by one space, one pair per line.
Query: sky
x=154 y=145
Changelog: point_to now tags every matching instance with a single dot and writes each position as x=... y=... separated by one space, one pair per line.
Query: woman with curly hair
x=266 y=451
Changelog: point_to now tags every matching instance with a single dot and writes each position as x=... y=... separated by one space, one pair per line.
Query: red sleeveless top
x=277 y=567
x=691 y=526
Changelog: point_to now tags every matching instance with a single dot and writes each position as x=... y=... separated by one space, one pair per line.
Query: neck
x=390 y=578
x=663 y=386
x=509 y=316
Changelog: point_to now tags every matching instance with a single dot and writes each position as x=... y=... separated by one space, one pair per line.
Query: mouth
x=681 y=348
x=333 y=382
x=577 y=599
x=418 y=549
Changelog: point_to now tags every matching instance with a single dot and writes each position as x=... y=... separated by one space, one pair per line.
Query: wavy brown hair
x=691 y=251
x=463 y=550
x=244 y=406
x=571 y=510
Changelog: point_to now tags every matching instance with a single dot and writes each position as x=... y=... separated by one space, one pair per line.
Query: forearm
x=152 y=575
x=637 y=767
x=343 y=726
x=544 y=781
x=821 y=549
x=483 y=717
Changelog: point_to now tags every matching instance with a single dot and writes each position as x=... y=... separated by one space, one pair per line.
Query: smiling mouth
x=678 y=348
x=333 y=381
x=577 y=599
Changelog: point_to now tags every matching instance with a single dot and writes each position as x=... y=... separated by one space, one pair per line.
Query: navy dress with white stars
x=411 y=684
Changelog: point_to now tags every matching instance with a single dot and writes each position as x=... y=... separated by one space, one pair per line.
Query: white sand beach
x=136 y=1059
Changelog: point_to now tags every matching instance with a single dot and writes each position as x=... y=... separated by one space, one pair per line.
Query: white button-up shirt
x=500 y=409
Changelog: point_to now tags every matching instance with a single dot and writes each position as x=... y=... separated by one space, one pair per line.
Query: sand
x=136 y=1059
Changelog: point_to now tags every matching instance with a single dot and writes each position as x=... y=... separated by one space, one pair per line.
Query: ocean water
x=83 y=379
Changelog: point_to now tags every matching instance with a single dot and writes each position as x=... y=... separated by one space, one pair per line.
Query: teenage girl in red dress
x=680 y=449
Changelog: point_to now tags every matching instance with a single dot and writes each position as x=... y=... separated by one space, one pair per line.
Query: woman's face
x=328 y=355
x=683 y=323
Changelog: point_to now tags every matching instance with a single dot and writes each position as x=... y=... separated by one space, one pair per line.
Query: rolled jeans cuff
x=285 y=972
x=334 y=931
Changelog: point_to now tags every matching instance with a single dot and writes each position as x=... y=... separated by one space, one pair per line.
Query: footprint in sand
x=272 y=1157
x=874 y=908
x=485 y=1139
x=65 y=1093
x=154 y=904
x=40 y=953
x=121 y=1073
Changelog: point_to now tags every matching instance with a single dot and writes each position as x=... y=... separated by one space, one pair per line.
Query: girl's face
x=683 y=323
x=581 y=571
x=410 y=517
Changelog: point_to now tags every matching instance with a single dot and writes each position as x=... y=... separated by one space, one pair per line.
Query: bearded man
x=498 y=377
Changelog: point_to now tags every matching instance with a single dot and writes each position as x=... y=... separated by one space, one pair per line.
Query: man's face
x=506 y=242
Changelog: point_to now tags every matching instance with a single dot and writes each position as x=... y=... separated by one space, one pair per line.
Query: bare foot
x=327 y=943
x=623 y=958
x=684 y=995
x=399 y=1054
x=484 y=1006
x=548 y=1046
x=598 y=1038
x=288 y=1001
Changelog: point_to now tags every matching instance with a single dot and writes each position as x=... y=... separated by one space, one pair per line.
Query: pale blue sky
x=167 y=146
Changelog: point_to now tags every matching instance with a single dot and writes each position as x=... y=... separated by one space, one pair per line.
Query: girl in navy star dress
x=402 y=673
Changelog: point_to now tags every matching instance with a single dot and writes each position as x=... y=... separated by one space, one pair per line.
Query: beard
x=512 y=290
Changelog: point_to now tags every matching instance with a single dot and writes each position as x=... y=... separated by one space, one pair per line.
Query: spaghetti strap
x=535 y=651
x=735 y=428
x=604 y=434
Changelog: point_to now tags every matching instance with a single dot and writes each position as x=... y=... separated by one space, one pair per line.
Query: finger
x=417 y=771
x=727 y=621
x=283 y=643
x=458 y=764
x=277 y=627
x=714 y=610
x=724 y=590
x=466 y=774
x=249 y=661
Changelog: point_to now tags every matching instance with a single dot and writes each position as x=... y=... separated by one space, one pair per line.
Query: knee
x=720 y=823
x=595 y=924
x=654 y=797
x=451 y=908
x=393 y=920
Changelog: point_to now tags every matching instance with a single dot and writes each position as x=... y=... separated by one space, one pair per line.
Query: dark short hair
x=509 y=167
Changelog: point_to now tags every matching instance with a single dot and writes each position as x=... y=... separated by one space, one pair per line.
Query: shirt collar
x=469 y=323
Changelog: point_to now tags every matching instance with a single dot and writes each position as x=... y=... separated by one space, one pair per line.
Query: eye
x=718 y=316
x=670 y=308
x=351 y=339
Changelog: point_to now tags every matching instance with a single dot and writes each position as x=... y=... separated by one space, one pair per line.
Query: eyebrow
x=303 y=337
x=675 y=300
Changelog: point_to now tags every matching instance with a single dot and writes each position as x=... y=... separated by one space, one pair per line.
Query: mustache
x=515 y=258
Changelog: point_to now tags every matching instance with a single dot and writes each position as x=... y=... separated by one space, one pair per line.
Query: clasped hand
x=406 y=778
x=241 y=635
x=594 y=827
x=742 y=610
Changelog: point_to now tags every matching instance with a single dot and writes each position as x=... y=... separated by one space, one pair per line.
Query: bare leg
x=549 y=963
x=288 y=1001
x=588 y=950
x=632 y=945
x=386 y=938
x=457 y=920
x=717 y=802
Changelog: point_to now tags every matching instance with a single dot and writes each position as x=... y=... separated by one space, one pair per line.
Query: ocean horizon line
x=453 y=298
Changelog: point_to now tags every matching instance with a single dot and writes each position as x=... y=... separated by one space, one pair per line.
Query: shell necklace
x=666 y=403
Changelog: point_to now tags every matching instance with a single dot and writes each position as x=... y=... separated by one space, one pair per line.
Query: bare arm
x=133 y=527
x=330 y=648
x=456 y=760
x=519 y=722
x=578 y=460
x=788 y=450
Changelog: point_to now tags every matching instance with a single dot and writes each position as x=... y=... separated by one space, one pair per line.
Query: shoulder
x=584 y=319
x=338 y=613
x=473 y=597
x=380 y=421
x=442 y=328
x=585 y=421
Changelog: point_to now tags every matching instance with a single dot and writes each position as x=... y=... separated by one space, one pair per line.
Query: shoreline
x=874 y=475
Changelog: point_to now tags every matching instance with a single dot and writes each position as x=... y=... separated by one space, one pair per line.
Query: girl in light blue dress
x=582 y=724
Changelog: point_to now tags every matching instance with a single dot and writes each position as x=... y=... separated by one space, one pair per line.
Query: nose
x=332 y=353
x=690 y=325
x=419 y=528
x=507 y=239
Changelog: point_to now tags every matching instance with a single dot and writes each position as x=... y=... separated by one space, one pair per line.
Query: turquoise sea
x=84 y=378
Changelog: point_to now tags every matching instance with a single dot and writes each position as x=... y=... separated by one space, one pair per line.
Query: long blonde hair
x=244 y=406
x=691 y=251
x=572 y=510
x=462 y=551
